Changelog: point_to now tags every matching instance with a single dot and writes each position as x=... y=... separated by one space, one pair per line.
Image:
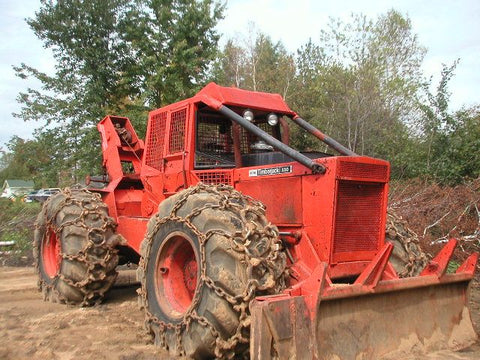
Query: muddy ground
x=33 y=329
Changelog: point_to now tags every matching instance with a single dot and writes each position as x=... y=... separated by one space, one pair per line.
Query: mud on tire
x=407 y=257
x=236 y=254
x=75 y=248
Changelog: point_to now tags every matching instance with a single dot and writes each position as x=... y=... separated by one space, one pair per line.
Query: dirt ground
x=33 y=329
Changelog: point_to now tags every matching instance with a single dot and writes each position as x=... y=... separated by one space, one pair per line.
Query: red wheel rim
x=51 y=253
x=176 y=274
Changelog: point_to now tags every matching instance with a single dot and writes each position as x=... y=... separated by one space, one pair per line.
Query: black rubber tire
x=200 y=210
x=88 y=254
x=407 y=257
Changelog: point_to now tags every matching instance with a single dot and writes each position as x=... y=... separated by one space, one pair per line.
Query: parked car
x=43 y=194
x=30 y=197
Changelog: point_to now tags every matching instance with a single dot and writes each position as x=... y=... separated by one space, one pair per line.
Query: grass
x=452 y=266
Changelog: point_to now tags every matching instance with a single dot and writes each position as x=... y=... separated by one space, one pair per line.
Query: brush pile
x=437 y=213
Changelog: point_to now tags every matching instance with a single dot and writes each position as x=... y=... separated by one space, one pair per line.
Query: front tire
x=75 y=248
x=208 y=252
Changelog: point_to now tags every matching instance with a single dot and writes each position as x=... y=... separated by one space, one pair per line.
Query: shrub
x=17 y=221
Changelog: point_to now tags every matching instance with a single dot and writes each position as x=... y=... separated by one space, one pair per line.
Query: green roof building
x=16 y=188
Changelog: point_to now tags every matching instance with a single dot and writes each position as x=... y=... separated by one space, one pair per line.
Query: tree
x=18 y=162
x=85 y=42
x=114 y=56
x=13 y=161
x=360 y=83
x=448 y=140
x=436 y=121
x=174 y=43
x=256 y=64
x=230 y=67
x=272 y=68
x=462 y=158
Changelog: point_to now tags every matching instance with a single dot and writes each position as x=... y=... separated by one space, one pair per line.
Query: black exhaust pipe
x=270 y=140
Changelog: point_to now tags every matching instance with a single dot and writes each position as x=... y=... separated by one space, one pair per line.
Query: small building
x=16 y=188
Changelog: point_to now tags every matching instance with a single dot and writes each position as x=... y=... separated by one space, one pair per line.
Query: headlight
x=272 y=119
x=248 y=115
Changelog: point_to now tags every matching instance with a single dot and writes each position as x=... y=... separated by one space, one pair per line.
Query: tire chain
x=89 y=206
x=417 y=259
x=230 y=199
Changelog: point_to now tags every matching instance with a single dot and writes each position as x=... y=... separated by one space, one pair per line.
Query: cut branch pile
x=438 y=213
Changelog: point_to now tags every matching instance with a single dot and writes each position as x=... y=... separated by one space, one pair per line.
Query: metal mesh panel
x=349 y=169
x=215 y=177
x=214 y=138
x=358 y=216
x=177 y=131
x=247 y=138
x=214 y=141
x=156 y=140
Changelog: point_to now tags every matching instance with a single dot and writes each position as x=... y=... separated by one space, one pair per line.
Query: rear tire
x=407 y=257
x=208 y=252
x=75 y=248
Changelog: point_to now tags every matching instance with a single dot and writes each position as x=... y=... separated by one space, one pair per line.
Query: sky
x=449 y=30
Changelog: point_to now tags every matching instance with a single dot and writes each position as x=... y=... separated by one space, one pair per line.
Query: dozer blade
x=377 y=317
x=400 y=322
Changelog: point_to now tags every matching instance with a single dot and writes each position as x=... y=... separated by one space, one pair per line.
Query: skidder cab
x=245 y=244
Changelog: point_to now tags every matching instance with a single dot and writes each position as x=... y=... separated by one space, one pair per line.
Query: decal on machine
x=271 y=171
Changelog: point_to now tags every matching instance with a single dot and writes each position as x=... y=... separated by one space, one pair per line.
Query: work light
x=248 y=115
x=272 y=119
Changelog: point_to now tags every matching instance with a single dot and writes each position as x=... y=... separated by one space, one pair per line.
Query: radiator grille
x=177 y=131
x=358 y=216
x=156 y=140
x=215 y=177
x=350 y=169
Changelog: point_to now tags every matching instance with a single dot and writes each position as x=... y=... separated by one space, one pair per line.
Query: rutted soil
x=33 y=329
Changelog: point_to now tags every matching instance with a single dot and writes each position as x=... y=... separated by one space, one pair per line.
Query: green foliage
x=12 y=213
x=174 y=43
x=88 y=80
x=452 y=266
x=258 y=65
x=449 y=141
x=21 y=238
x=360 y=82
x=456 y=154
x=18 y=162
x=230 y=67
x=17 y=225
x=112 y=56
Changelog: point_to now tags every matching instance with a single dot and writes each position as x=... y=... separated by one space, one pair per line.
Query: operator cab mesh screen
x=214 y=145
x=214 y=139
x=177 y=131
x=155 y=140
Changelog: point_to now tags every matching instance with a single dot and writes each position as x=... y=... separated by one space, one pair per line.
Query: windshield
x=215 y=138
